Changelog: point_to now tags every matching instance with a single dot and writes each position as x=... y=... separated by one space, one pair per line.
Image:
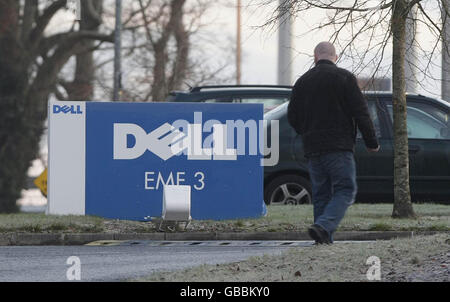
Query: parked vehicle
x=269 y=95
x=288 y=181
x=429 y=154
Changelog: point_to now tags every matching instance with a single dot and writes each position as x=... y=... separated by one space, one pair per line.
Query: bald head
x=325 y=51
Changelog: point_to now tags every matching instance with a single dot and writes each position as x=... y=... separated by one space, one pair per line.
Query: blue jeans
x=333 y=178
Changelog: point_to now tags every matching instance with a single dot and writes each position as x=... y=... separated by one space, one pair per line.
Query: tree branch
x=41 y=23
x=28 y=19
x=54 y=40
x=348 y=8
x=92 y=11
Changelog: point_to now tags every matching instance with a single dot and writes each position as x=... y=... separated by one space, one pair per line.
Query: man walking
x=326 y=109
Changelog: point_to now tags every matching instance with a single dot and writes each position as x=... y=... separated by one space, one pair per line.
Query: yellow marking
x=105 y=243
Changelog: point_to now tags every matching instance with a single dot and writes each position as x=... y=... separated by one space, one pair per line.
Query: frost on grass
x=423 y=258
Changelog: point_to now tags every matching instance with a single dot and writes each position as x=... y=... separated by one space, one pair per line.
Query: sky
x=260 y=43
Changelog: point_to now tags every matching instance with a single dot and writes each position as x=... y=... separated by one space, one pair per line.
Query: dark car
x=288 y=181
x=269 y=95
x=429 y=153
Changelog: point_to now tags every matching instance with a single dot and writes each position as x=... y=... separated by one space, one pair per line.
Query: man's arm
x=360 y=112
x=294 y=110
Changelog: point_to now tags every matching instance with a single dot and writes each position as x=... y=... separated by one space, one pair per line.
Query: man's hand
x=373 y=150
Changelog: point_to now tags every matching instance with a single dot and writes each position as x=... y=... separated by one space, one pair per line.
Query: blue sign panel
x=134 y=149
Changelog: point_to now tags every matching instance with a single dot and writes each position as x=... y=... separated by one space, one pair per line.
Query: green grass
x=359 y=217
x=239 y=223
x=380 y=226
x=40 y=223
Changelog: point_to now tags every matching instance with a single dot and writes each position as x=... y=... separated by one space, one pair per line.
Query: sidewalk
x=29 y=239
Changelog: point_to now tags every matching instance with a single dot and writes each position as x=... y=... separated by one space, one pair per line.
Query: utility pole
x=78 y=10
x=238 y=44
x=117 y=53
x=446 y=50
x=75 y=7
x=284 y=44
x=411 y=59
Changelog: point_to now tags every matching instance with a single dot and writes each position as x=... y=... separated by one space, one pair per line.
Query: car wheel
x=288 y=189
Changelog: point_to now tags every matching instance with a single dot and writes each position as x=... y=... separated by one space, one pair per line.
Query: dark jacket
x=326 y=107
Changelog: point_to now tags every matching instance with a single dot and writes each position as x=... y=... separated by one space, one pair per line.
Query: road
x=123 y=262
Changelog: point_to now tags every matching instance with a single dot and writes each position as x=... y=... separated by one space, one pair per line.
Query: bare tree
x=159 y=54
x=364 y=30
x=30 y=64
x=402 y=194
x=81 y=88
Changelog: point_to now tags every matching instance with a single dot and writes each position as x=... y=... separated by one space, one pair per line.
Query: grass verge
x=423 y=258
x=359 y=217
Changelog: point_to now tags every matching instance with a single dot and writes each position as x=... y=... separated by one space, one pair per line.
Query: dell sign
x=114 y=159
x=67 y=109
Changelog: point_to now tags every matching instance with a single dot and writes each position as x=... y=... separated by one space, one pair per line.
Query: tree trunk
x=12 y=84
x=25 y=88
x=82 y=87
x=181 y=60
x=159 y=86
x=402 y=196
x=161 y=82
x=446 y=50
x=21 y=128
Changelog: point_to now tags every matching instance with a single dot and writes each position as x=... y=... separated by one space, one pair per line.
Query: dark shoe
x=319 y=234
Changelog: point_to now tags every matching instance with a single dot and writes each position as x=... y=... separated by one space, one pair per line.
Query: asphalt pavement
x=119 y=261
